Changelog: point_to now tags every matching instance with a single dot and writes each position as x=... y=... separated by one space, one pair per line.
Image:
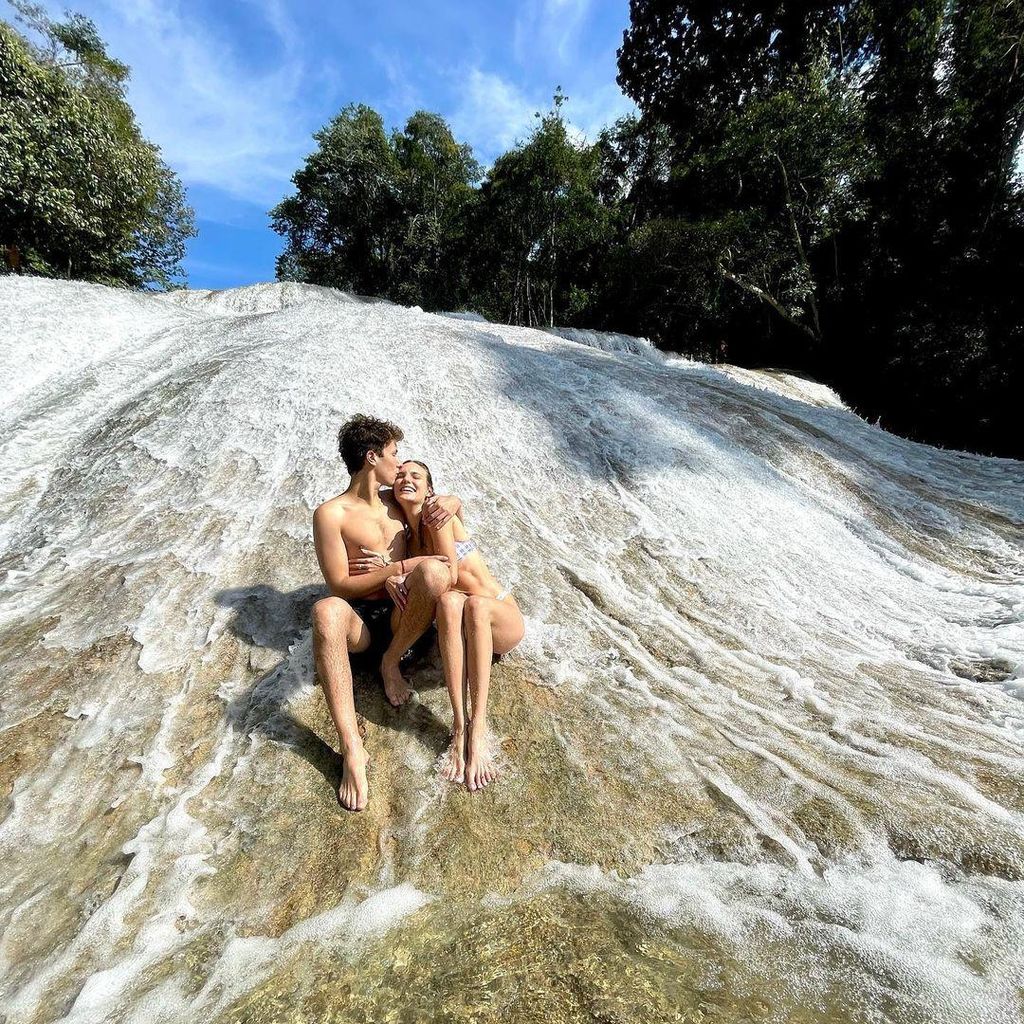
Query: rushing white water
x=764 y=738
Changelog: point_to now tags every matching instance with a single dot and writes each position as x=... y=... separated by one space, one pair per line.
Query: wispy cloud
x=232 y=91
x=228 y=124
x=219 y=118
x=552 y=28
x=494 y=113
x=237 y=115
x=403 y=96
x=593 y=109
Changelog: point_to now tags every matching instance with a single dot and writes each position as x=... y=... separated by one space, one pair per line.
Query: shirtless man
x=347 y=527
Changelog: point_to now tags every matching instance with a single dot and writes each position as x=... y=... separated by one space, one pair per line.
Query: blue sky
x=232 y=91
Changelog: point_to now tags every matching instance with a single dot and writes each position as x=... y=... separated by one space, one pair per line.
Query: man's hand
x=437 y=511
x=397 y=590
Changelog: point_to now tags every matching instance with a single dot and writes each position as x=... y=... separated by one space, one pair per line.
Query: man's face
x=387 y=464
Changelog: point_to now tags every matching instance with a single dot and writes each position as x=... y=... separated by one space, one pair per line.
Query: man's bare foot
x=454 y=761
x=480 y=767
x=352 y=790
x=395 y=687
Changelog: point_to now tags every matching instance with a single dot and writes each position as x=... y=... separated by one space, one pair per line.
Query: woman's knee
x=331 y=616
x=449 y=605
x=432 y=575
x=477 y=612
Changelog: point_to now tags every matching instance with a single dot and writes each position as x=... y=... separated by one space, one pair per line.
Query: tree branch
x=765 y=297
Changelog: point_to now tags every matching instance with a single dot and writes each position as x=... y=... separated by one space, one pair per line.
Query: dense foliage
x=376 y=214
x=82 y=193
x=853 y=167
x=829 y=187
x=399 y=216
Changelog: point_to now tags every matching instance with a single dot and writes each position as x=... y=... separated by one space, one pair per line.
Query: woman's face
x=411 y=486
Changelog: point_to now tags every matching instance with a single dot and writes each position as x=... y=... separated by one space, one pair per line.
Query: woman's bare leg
x=426 y=583
x=491 y=627
x=453 y=658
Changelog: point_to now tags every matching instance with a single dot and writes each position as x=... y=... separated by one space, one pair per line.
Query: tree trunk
x=812 y=302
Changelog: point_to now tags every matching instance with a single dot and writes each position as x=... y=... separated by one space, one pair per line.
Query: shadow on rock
x=267 y=617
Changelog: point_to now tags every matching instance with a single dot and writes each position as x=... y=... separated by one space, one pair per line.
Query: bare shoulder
x=330 y=512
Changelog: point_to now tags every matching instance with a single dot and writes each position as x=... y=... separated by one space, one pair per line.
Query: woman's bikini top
x=462 y=547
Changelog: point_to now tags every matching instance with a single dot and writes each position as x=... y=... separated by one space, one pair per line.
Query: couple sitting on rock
x=396 y=561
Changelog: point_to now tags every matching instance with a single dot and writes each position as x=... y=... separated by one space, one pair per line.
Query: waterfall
x=762 y=745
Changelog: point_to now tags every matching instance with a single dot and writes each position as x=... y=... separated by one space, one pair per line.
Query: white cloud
x=592 y=110
x=494 y=113
x=243 y=126
x=550 y=27
x=218 y=120
x=404 y=97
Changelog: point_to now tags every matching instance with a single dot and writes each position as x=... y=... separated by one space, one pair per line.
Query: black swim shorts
x=377 y=616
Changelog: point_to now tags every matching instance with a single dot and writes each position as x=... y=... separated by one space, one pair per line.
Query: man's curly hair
x=363 y=434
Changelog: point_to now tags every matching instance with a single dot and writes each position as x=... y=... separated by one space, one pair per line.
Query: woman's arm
x=443 y=543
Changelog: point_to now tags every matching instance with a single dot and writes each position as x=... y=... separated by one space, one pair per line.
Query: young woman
x=476 y=620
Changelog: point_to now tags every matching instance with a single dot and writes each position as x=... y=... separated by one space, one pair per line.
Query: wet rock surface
x=761 y=748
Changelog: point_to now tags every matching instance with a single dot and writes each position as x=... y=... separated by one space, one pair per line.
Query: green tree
x=437 y=174
x=637 y=156
x=785 y=177
x=935 y=266
x=538 y=228
x=376 y=214
x=343 y=224
x=767 y=154
x=848 y=168
x=82 y=193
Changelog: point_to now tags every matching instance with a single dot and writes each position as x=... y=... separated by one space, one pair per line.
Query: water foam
x=805 y=629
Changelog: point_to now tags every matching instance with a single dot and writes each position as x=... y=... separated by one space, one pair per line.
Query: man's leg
x=336 y=631
x=426 y=583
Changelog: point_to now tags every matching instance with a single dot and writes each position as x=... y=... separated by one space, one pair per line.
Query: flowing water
x=762 y=746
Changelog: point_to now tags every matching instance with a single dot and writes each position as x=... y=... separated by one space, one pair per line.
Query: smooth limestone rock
x=763 y=743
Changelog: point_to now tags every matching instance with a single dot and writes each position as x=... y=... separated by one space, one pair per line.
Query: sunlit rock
x=763 y=743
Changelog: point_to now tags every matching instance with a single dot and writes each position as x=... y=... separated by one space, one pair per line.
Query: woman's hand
x=371 y=560
x=397 y=590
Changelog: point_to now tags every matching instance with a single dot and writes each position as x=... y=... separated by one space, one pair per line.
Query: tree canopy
x=850 y=168
x=829 y=187
x=82 y=193
x=375 y=213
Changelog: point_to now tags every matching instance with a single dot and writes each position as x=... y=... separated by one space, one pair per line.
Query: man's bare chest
x=378 y=533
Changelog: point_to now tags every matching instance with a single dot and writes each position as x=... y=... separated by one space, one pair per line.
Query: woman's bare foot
x=352 y=790
x=480 y=767
x=395 y=687
x=455 y=757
